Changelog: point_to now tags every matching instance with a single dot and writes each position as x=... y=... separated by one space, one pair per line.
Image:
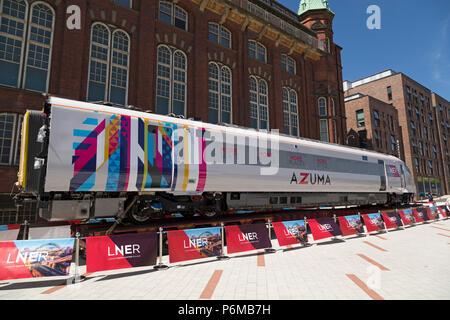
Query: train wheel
x=139 y=216
x=210 y=213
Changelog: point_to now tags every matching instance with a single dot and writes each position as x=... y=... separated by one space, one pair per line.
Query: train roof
x=62 y=102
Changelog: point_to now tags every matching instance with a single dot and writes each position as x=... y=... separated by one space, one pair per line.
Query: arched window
x=323 y=123
x=288 y=64
x=259 y=103
x=108 y=65
x=220 y=81
x=25 y=63
x=290 y=111
x=257 y=51
x=171 y=81
x=173 y=14
x=219 y=34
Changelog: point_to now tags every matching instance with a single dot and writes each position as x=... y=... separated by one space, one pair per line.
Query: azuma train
x=83 y=160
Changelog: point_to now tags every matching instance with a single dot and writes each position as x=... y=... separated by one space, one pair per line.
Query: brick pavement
x=415 y=264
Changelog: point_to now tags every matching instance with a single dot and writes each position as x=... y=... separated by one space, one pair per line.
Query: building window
x=288 y=64
x=416 y=164
x=171 y=81
x=108 y=65
x=173 y=14
x=10 y=134
x=430 y=167
x=259 y=103
x=257 y=51
x=360 y=118
x=125 y=3
x=420 y=148
x=393 y=143
x=425 y=132
x=324 y=134
x=220 y=81
x=219 y=34
x=290 y=112
x=408 y=93
x=376 y=138
x=376 y=118
x=323 y=109
x=434 y=152
x=389 y=93
x=412 y=128
x=25 y=62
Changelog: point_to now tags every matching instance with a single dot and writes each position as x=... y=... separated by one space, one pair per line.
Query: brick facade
x=419 y=122
x=319 y=73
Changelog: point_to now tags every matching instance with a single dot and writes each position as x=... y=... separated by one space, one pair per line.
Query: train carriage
x=84 y=160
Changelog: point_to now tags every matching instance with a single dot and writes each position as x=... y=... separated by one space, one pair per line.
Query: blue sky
x=414 y=39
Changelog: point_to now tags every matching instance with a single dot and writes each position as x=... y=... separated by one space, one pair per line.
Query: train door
x=382 y=175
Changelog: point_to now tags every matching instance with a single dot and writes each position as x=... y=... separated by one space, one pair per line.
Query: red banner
x=247 y=237
x=194 y=244
x=407 y=217
x=290 y=232
x=351 y=225
x=121 y=251
x=35 y=258
x=420 y=214
x=373 y=222
x=444 y=211
x=433 y=213
x=322 y=228
x=392 y=220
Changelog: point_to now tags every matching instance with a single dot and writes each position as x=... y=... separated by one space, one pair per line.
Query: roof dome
x=306 y=5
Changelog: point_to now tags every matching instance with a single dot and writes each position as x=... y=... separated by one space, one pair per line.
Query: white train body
x=102 y=151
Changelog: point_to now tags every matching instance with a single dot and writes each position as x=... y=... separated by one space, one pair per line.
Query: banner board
x=322 y=228
x=351 y=225
x=407 y=217
x=392 y=220
x=373 y=222
x=9 y=232
x=121 y=251
x=35 y=258
x=420 y=214
x=290 y=232
x=49 y=232
x=193 y=244
x=247 y=237
x=444 y=211
x=433 y=213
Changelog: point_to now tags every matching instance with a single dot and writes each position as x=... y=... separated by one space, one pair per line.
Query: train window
x=293 y=199
x=283 y=200
x=364 y=157
x=235 y=196
x=273 y=200
x=299 y=199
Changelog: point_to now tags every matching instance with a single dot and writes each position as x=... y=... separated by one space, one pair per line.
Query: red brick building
x=252 y=63
x=373 y=124
x=424 y=120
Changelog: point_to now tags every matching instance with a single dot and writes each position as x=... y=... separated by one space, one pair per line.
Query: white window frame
x=259 y=48
x=109 y=62
x=322 y=104
x=286 y=62
x=172 y=80
x=13 y=140
x=173 y=9
x=220 y=93
x=259 y=104
x=25 y=39
x=288 y=104
x=221 y=31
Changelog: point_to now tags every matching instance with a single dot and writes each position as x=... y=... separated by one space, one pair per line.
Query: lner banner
x=35 y=258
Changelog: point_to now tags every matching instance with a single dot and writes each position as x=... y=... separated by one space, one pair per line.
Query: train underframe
x=140 y=208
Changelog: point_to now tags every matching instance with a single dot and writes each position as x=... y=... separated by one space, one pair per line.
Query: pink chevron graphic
x=202 y=165
x=84 y=155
